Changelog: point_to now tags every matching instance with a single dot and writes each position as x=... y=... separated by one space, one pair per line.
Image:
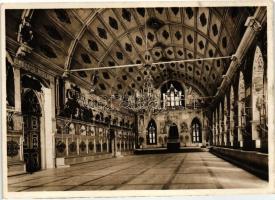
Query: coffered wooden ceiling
x=85 y=38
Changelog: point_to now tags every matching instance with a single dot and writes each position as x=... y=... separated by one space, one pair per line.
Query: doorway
x=31 y=112
x=173 y=142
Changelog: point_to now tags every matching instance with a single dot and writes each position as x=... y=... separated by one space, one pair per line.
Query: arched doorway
x=31 y=111
x=173 y=143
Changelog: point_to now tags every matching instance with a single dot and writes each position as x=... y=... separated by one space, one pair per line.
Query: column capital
x=253 y=23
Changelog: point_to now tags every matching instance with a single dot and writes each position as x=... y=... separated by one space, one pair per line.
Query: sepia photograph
x=170 y=97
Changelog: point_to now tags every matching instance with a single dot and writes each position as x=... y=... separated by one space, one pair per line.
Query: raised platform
x=165 y=150
x=252 y=161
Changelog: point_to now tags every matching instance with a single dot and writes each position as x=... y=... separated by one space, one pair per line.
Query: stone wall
x=182 y=118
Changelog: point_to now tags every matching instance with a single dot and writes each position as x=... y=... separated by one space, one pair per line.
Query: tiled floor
x=196 y=170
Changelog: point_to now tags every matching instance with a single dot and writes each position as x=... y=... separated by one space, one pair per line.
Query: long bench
x=252 y=161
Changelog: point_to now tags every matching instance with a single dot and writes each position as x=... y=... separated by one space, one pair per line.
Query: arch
x=241 y=109
x=173 y=141
x=10 y=90
x=97 y=117
x=186 y=84
x=30 y=103
x=172 y=94
x=173 y=131
x=33 y=81
x=259 y=119
x=196 y=131
x=31 y=111
x=152 y=132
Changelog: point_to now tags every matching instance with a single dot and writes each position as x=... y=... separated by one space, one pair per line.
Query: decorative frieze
x=34 y=69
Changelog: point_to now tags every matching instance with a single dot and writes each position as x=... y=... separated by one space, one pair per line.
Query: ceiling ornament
x=147 y=98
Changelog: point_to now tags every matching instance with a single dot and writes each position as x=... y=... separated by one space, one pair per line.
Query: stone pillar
x=231 y=118
x=77 y=146
x=17 y=88
x=94 y=145
x=87 y=146
x=217 y=129
x=48 y=132
x=115 y=144
x=67 y=147
x=240 y=126
x=107 y=142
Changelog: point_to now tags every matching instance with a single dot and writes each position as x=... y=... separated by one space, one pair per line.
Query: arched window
x=196 y=131
x=152 y=132
x=172 y=94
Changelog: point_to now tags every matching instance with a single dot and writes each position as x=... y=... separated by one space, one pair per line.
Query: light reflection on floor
x=196 y=170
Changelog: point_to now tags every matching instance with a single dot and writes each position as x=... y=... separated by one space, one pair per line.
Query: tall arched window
x=152 y=132
x=172 y=95
x=196 y=131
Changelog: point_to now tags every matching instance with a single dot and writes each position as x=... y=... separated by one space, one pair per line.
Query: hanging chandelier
x=146 y=99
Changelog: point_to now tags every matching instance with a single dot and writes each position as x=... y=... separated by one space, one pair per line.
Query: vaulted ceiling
x=86 y=38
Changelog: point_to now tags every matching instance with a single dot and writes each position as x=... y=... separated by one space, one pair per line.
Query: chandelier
x=146 y=99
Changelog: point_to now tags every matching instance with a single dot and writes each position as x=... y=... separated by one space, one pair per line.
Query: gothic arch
x=196 y=128
x=172 y=94
x=259 y=100
x=152 y=132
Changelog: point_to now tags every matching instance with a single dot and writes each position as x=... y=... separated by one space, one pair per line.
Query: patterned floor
x=196 y=170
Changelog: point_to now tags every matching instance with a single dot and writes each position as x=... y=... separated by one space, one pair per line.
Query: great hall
x=136 y=98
